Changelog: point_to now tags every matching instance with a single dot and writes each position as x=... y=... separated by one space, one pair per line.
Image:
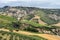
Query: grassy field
x=7 y=18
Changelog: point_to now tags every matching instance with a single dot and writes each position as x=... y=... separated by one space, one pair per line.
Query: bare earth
x=39 y=20
x=47 y=36
x=58 y=24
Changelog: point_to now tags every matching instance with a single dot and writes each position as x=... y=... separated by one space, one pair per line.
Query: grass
x=7 y=18
x=44 y=17
x=5 y=21
x=32 y=23
x=20 y=36
x=35 y=24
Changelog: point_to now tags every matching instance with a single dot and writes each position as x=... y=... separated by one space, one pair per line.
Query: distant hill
x=49 y=16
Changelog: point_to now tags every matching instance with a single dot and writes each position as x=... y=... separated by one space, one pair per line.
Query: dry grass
x=58 y=24
x=47 y=36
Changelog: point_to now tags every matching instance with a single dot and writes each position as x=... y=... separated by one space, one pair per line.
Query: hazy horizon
x=31 y=3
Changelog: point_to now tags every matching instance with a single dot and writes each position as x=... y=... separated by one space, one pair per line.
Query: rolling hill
x=30 y=19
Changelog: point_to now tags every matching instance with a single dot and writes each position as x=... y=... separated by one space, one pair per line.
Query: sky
x=31 y=3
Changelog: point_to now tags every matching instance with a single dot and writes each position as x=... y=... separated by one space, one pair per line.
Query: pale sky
x=32 y=3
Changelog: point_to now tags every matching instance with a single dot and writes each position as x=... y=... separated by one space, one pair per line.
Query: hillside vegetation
x=14 y=36
x=29 y=19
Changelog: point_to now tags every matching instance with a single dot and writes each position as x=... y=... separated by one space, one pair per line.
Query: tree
x=16 y=24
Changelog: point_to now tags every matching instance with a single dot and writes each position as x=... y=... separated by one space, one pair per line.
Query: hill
x=30 y=19
x=49 y=16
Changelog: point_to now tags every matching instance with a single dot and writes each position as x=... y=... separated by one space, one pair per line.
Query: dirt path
x=58 y=24
x=39 y=20
x=47 y=36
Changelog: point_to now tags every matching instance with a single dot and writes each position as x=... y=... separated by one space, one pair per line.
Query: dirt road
x=47 y=36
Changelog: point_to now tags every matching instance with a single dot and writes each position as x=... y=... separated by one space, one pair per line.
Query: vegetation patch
x=15 y=36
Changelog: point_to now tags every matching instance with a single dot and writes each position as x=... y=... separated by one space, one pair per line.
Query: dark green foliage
x=16 y=24
x=31 y=29
x=6 y=6
x=0 y=37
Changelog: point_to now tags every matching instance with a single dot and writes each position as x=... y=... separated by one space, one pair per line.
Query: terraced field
x=14 y=36
x=28 y=35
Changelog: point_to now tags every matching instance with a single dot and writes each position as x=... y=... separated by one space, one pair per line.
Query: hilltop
x=49 y=16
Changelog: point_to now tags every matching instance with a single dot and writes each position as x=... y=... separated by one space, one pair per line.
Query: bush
x=31 y=29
